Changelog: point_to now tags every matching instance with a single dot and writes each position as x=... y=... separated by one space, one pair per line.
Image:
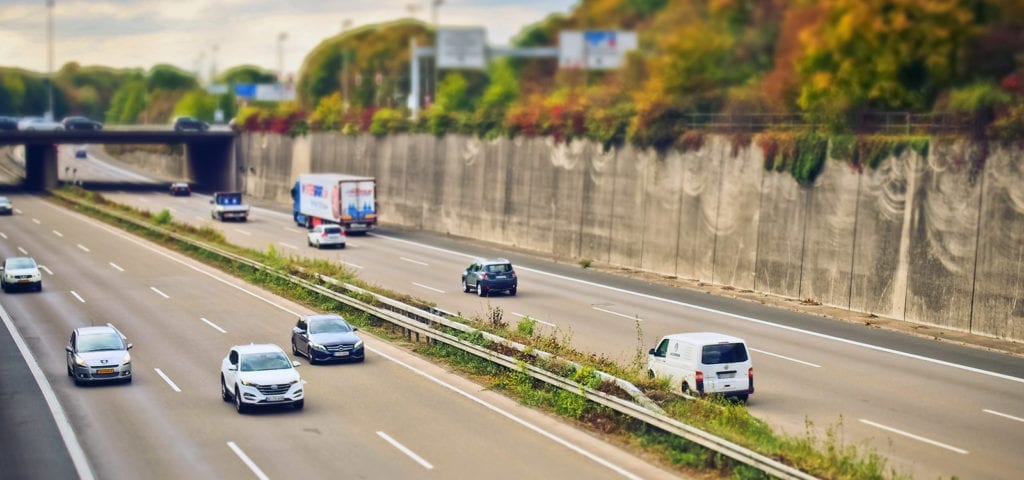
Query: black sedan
x=8 y=123
x=80 y=123
x=321 y=338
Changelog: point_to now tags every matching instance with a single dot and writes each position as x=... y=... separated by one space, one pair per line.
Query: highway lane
x=882 y=386
x=392 y=416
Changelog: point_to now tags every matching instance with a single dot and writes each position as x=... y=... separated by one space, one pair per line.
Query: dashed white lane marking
x=288 y=245
x=809 y=364
x=168 y=380
x=915 y=437
x=79 y=297
x=1004 y=415
x=83 y=247
x=158 y=292
x=428 y=288
x=4 y=235
x=248 y=461
x=57 y=233
x=243 y=232
x=417 y=262
x=623 y=315
x=46 y=269
x=535 y=319
x=36 y=221
x=221 y=330
x=352 y=264
x=406 y=451
x=112 y=264
x=23 y=251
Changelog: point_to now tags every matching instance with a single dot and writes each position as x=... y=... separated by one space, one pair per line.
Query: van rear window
x=723 y=353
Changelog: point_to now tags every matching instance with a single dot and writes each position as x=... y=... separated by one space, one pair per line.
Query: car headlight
x=316 y=346
x=127 y=358
x=293 y=382
x=247 y=383
x=359 y=345
x=80 y=361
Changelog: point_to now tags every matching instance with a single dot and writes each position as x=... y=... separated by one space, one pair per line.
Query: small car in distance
x=326 y=235
x=80 y=123
x=8 y=123
x=180 y=188
x=81 y=153
x=38 y=123
x=260 y=375
x=486 y=276
x=98 y=354
x=20 y=272
x=190 y=123
x=6 y=208
x=326 y=337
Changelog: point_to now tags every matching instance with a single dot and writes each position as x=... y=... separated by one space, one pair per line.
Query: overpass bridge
x=211 y=155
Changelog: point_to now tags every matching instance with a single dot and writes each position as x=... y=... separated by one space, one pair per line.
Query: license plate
x=340 y=354
x=275 y=398
x=357 y=225
x=501 y=277
x=727 y=375
x=104 y=371
x=23 y=281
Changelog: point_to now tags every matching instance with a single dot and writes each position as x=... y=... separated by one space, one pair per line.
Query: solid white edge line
x=167 y=379
x=405 y=450
x=1005 y=415
x=548 y=435
x=417 y=262
x=623 y=315
x=221 y=330
x=67 y=433
x=112 y=264
x=158 y=292
x=809 y=364
x=428 y=288
x=79 y=297
x=535 y=319
x=731 y=315
x=915 y=437
x=248 y=461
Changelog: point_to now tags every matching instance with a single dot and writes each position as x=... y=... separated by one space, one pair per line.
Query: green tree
x=169 y=77
x=196 y=103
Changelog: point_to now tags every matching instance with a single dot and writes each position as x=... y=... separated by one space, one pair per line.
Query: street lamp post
x=281 y=37
x=49 y=53
x=434 y=7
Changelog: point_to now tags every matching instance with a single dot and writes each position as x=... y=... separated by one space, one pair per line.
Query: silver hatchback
x=98 y=354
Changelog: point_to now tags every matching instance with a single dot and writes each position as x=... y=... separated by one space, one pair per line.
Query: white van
x=703 y=363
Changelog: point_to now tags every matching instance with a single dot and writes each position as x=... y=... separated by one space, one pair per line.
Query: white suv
x=259 y=375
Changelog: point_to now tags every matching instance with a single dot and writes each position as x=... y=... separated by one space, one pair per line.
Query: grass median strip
x=826 y=457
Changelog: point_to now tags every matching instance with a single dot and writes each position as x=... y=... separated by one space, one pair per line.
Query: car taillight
x=513 y=274
x=483 y=276
x=750 y=376
x=323 y=235
x=700 y=382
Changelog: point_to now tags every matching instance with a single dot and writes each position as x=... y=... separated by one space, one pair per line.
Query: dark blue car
x=327 y=337
x=489 y=276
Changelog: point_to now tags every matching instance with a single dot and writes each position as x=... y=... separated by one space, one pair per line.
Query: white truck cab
x=703 y=363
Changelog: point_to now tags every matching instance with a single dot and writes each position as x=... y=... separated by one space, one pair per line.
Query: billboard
x=594 y=49
x=462 y=48
x=266 y=92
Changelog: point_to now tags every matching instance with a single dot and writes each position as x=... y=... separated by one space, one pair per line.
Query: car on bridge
x=20 y=272
x=80 y=123
x=98 y=354
x=190 y=123
x=180 y=188
x=8 y=123
x=38 y=123
x=6 y=208
x=260 y=375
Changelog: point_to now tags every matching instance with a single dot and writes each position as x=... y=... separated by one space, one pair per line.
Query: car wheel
x=742 y=398
x=341 y=246
x=39 y=287
x=512 y=291
x=686 y=388
x=224 y=394
x=309 y=353
x=480 y=289
x=309 y=242
x=70 y=373
x=239 y=406
x=3 y=286
x=318 y=246
x=295 y=351
x=299 y=404
x=128 y=380
x=650 y=373
x=465 y=286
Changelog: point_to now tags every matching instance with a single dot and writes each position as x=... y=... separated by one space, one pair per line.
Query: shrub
x=387 y=120
x=162 y=218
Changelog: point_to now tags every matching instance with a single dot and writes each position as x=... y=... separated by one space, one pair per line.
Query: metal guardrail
x=421 y=327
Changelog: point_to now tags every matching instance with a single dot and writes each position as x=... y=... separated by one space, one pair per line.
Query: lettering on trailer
x=313 y=190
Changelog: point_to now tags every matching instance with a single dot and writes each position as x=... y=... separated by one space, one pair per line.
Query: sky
x=200 y=35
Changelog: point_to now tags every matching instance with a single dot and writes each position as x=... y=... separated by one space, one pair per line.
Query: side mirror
x=355 y=329
x=129 y=347
x=295 y=364
x=232 y=368
x=651 y=351
x=67 y=348
x=211 y=202
x=298 y=331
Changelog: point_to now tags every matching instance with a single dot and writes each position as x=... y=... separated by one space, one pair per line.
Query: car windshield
x=255 y=362
x=20 y=263
x=328 y=325
x=98 y=342
x=332 y=230
x=5 y=200
x=499 y=268
x=723 y=353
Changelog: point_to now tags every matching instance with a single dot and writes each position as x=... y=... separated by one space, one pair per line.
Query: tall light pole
x=281 y=37
x=344 y=64
x=49 y=53
x=213 y=64
x=434 y=6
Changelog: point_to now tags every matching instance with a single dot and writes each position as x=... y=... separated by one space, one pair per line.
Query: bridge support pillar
x=41 y=167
